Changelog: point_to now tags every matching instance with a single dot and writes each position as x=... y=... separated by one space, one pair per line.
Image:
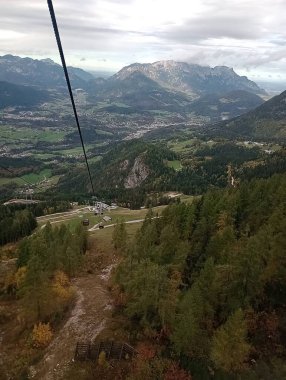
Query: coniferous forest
x=15 y=224
x=46 y=261
x=17 y=221
x=41 y=290
x=208 y=281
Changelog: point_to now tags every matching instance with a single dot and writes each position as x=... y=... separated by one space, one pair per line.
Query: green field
x=74 y=151
x=32 y=177
x=119 y=214
x=181 y=146
x=103 y=237
x=4 y=181
x=10 y=134
x=188 y=145
x=37 y=177
x=52 y=181
x=176 y=164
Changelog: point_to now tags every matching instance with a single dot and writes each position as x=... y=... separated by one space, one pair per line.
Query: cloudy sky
x=248 y=35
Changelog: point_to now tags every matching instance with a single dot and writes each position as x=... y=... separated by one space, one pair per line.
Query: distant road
x=61 y=214
x=64 y=216
x=96 y=226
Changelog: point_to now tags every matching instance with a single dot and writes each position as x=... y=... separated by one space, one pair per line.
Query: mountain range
x=43 y=73
x=266 y=122
x=180 y=87
x=192 y=79
x=169 y=86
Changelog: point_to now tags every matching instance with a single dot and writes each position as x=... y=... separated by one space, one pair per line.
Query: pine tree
x=145 y=289
x=194 y=323
x=119 y=237
x=230 y=349
x=35 y=291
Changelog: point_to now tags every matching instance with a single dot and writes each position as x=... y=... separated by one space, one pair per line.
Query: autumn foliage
x=42 y=335
x=174 y=372
x=46 y=262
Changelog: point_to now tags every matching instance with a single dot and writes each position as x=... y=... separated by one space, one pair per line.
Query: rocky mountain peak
x=48 y=60
x=42 y=73
x=191 y=78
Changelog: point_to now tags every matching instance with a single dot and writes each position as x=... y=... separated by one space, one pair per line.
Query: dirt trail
x=88 y=318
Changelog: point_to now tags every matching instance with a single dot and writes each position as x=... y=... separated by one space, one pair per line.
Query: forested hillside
x=41 y=289
x=124 y=174
x=13 y=94
x=266 y=122
x=130 y=171
x=208 y=282
x=17 y=221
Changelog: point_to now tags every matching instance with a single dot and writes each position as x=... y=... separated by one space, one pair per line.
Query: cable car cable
x=60 y=48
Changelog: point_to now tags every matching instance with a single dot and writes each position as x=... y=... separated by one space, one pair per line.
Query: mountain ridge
x=42 y=73
x=166 y=86
x=266 y=122
x=179 y=76
x=192 y=78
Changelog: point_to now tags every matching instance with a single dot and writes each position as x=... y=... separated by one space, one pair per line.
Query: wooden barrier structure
x=113 y=350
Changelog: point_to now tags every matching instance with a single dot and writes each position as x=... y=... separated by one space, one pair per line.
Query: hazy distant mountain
x=273 y=88
x=228 y=105
x=166 y=86
x=175 y=87
x=194 y=80
x=267 y=122
x=101 y=74
x=43 y=73
x=140 y=92
x=19 y=95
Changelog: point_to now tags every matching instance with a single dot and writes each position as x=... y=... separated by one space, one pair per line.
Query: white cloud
x=248 y=35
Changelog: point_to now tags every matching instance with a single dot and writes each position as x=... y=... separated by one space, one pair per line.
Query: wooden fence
x=113 y=350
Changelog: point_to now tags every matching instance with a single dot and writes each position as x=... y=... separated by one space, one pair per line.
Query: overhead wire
x=61 y=52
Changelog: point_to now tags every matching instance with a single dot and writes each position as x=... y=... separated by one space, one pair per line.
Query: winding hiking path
x=88 y=318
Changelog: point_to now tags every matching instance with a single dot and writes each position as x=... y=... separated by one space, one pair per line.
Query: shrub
x=42 y=335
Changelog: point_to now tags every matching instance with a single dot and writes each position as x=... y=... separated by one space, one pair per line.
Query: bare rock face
x=138 y=173
x=192 y=79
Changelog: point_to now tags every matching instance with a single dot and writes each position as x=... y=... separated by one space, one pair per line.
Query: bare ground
x=91 y=313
